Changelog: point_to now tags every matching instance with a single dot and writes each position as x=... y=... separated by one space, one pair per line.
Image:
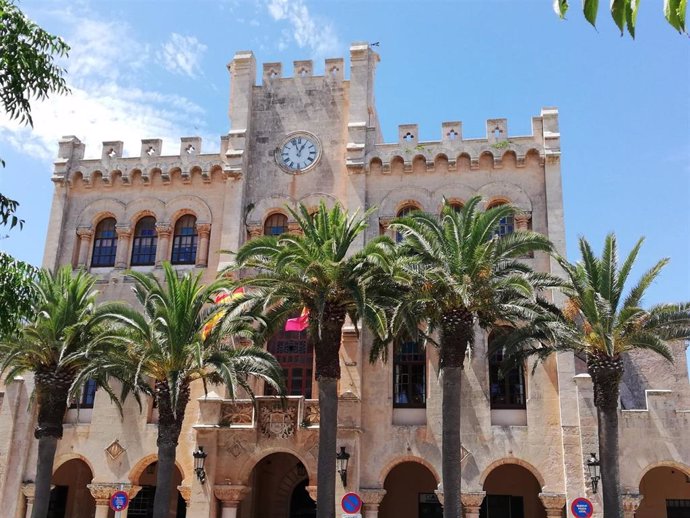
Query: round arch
x=306 y=458
x=100 y=209
x=401 y=460
x=65 y=458
x=141 y=207
x=266 y=206
x=191 y=204
x=663 y=464
x=501 y=462
x=143 y=463
x=506 y=190
x=396 y=198
x=312 y=201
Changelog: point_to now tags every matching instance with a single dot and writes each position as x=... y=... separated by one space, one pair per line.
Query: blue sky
x=150 y=69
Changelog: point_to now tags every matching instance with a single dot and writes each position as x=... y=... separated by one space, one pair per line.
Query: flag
x=300 y=323
x=221 y=298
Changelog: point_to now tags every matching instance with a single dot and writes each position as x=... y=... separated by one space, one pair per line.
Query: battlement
x=452 y=152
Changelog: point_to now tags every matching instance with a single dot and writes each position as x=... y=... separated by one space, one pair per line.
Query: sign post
x=351 y=504
x=581 y=508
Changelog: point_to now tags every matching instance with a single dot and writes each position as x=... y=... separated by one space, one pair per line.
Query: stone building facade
x=525 y=437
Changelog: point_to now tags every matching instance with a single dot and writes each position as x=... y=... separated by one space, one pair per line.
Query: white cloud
x=105 y=65
x=307 y=30
x=182 y=55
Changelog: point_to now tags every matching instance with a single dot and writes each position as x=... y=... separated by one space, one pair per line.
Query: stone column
x=553 y=503
x=123 y=235
x=204 y=231
x=230 y=497
x=164 y=231
x=631 y=502
x=522 y=220
x=101 y=494
x=471 y=503
x=186 y=492
x=29 y=491
x=85 y=234
x=372 y=499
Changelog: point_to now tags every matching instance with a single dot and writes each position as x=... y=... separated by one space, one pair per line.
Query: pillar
x=85 y=234
x=204 y=231
x=29 y=491
x=472 y=502
x=553 y=504
x=123 y=235
x=186 y=492
x=522 y=220
x=631 y=502
x=230 y=496
x=101 y=494
x=163 y=244
x=372 y=499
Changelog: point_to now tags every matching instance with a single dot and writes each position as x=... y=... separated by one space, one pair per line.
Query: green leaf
x=590 y=8
x=618 y=8
x=631 y=16
x=561 y=7
x=672 y=8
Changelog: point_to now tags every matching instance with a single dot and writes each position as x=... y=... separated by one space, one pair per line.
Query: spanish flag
x=300 y=323
x=222 y=298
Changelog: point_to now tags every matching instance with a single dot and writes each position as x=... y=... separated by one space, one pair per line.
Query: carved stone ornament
x=373 y=496
x=29 y=491
x=186 y=492
x=473 y=500
x=631 y=501
x=312 y=492
x=464 y=453
x=204 y=229
x=115 y=449
x=236 y=449
x=230 y=494
x=233 y=414
x=101 y=492
x=553 y=503
x=277 y=421
x=312 y=413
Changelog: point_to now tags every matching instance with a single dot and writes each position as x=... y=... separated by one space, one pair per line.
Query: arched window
x=407 y=209
x=145 y=240
x=276 y=224
x=506 y=225
x=184 y=241
x=409 y=375
x=296 y=356
x=104 y=244
x=507 y=390
x=455 y=205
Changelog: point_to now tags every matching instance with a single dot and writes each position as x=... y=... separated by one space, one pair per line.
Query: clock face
x=298 y=153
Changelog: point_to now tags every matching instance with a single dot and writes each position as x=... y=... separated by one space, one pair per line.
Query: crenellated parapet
x=150 y=167
x=498 y=150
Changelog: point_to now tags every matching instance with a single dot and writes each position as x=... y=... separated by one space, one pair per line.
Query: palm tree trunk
x=169 y=427
x=456 y=336
x=327 y=345
x=47 y=446
x=51 y=397
x=328 y=435
x=606 y=375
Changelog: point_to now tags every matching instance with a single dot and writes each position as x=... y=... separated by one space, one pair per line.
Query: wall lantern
x=343 y=458
x=199 y=461
x=593 y=465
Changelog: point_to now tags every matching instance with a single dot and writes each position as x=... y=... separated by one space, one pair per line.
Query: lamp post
x=199 y=461
x=593 y=465
x=343 y=458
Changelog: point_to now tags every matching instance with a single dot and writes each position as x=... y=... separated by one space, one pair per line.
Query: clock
x=298 y=152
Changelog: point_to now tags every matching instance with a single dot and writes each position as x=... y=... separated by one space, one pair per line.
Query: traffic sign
x=119 y=501
x=351 y=503
x=581 y=508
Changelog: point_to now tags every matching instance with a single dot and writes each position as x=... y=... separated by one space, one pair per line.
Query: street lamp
x=593 y=467
x=199 y=461
x=343 y=457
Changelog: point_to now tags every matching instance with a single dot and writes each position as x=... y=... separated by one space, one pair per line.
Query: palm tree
x=167 y=344
x=600 y=325
x=461 y=273
x=317 y=269
x=63 y=344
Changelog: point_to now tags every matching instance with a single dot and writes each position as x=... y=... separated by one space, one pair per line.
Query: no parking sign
x=351 y=503
x=581 y=508
x=119 y=501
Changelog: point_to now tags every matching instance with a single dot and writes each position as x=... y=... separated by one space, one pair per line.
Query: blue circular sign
x=351 y=503
x=119 y=501
x=582 y=508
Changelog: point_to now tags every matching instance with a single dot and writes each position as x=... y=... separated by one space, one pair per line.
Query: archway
x=512 y=491
x=410 y=492
x=141 y=505
x=666 y=493
x=279 y=483
x=70 y=497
